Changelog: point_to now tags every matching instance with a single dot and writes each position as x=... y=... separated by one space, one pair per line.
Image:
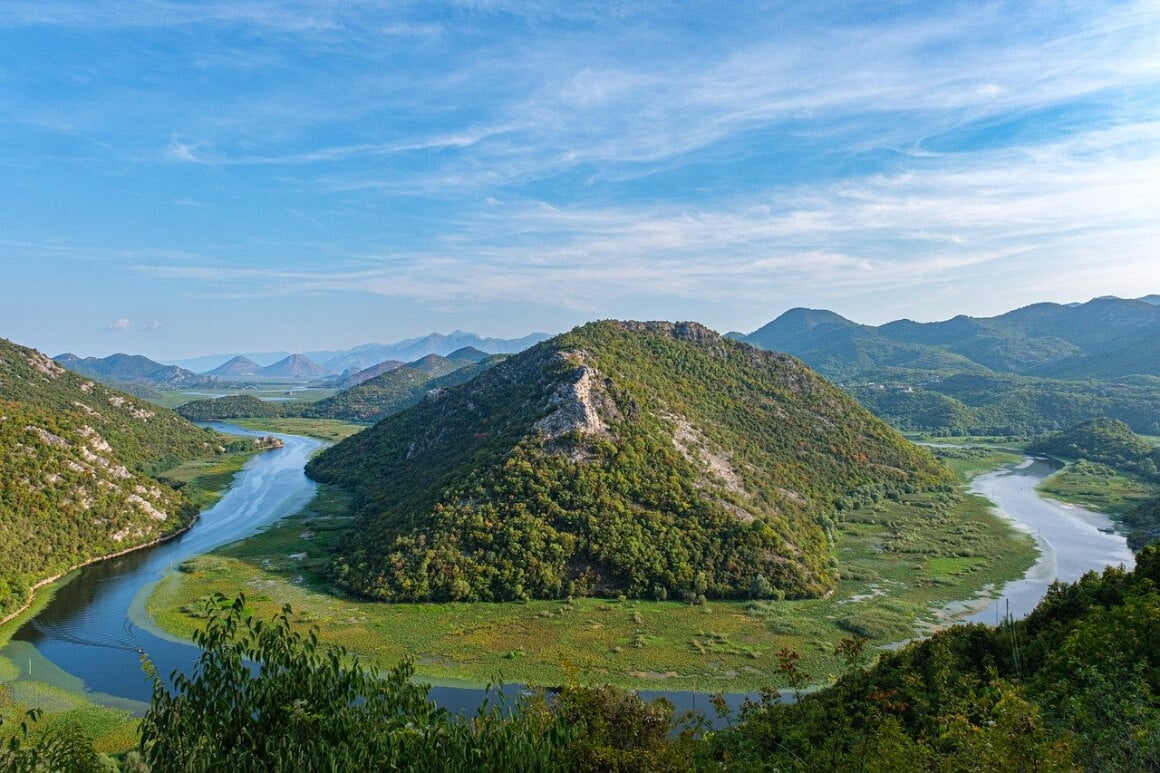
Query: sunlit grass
x=330 y=430
x=1097 y=487
x=900 y=562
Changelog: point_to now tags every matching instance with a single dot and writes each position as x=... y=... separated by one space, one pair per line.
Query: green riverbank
x=901 y=562
x=28 y=681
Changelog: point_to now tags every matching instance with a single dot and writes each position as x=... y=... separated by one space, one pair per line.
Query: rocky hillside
x=649 y=459
x=77 y=461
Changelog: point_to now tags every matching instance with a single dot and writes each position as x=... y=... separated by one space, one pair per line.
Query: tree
x=264 y=697
x=60 y=748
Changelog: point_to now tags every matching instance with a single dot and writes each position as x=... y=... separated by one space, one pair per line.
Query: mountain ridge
x=643 y=458
x=367 y=355
x=1041 y=339
x=123 y=368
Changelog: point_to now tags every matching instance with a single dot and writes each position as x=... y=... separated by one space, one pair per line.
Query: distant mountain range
x=295 y=366
x=133 y=369
x=361 y=399
x=371 y=355
x=125 y=370
x=1103 y=338
x=1033 y=370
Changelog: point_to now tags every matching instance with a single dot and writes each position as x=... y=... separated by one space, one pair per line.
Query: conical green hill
x=648 y=459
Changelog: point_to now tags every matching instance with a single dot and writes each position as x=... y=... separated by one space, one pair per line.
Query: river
x=1071 y=540
x=89 y=638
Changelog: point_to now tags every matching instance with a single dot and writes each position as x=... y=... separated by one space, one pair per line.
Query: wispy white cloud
x=1034 y=213
x=590 y=156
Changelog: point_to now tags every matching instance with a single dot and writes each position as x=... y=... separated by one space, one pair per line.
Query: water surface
x=86 y=636
x=1071 y=540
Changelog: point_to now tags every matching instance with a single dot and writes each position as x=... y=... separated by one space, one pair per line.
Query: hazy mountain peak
x=295 y=366
x=236 y=367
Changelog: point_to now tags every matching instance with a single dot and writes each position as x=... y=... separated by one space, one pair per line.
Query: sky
x=187 y=177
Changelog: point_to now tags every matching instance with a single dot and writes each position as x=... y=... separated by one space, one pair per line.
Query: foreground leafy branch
x=265 y=697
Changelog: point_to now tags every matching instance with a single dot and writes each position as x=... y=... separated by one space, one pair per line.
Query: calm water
x=1069 y=538
x=88 y=631
x=92 y=635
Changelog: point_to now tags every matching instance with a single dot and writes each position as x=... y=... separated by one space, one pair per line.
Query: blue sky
x=185 y=178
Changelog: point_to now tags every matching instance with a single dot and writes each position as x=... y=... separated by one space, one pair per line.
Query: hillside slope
x=76 y=460
x=1096 y=338
x=637 y=458
x=117 y=369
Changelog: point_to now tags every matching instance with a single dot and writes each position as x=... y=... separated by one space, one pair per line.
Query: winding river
x=90 y=637
x=1071 y=540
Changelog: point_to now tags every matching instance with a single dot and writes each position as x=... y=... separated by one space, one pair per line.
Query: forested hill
x=76 y=460
x=1030 y=371
x=397 y=389
x=1106 y=441
x=1103 y=338
x=639 y=458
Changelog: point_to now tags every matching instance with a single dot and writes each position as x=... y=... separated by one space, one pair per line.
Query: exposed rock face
x=579 y=403
x=624 y=456
x=44 y=364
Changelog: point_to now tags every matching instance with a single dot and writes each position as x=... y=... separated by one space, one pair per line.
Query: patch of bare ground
x=693 y=445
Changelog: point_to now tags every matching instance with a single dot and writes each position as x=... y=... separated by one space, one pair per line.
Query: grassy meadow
x=173 y=398
x=330 y=430
x=900 y=561
x=1097 y=487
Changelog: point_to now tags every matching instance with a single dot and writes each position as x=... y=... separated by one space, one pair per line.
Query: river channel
x=1071 y=540
x=91 y=636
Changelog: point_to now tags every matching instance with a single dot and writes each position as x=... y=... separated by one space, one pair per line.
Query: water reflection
x=88 y=632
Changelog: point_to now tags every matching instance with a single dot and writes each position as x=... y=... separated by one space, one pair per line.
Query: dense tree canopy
x=77 y=470
x=621 y=457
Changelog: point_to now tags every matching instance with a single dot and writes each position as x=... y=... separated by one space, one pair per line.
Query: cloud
x=488 y=153
x=181 y=151
x=1026 y=214
x=122 y=325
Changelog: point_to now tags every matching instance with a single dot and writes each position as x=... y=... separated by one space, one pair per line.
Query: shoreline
x=95 y=560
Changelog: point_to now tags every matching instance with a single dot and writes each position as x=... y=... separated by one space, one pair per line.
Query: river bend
x=91 y=635
x=88 y=637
